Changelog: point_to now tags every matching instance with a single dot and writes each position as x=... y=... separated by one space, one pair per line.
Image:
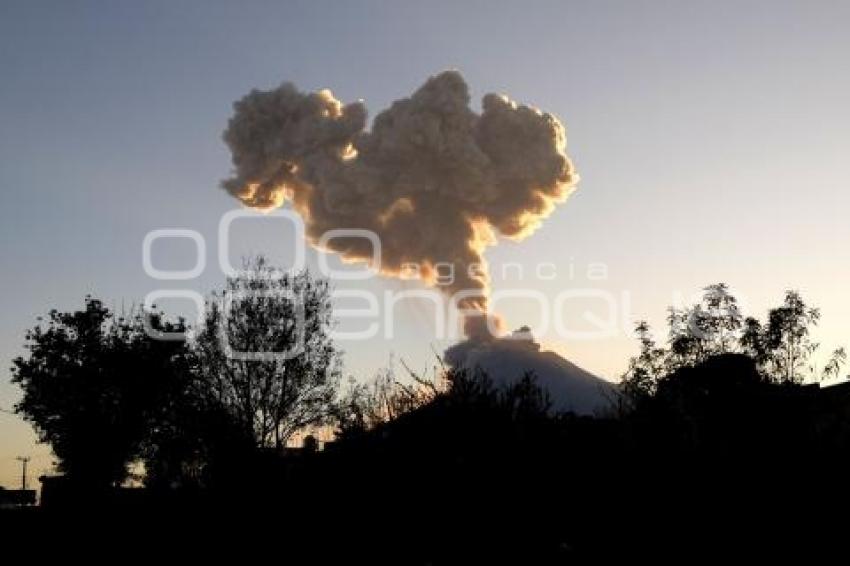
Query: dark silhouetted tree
x=264 y=353
x=832 y=369
x=363 y=406
x=706 y=329
x=788 y=338
x=782 y=347
x=93 y=386
x=641 y=379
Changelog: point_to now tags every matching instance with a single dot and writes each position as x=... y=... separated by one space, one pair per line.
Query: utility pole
x=23 y=460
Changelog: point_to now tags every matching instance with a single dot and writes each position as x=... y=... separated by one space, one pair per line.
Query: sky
x=710 y=137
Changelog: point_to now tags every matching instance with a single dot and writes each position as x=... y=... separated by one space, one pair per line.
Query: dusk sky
x=711 y=139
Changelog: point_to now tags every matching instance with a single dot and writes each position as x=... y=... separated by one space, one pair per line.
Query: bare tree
x=265 y=353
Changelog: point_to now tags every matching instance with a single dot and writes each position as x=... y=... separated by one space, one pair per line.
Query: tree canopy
x=782 y=347
x=106 y=391
x=93 y=386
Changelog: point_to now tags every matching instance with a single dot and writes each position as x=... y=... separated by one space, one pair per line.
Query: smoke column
x=436 y=181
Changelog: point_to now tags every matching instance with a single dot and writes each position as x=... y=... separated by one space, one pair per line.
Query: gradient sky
x=711 y=139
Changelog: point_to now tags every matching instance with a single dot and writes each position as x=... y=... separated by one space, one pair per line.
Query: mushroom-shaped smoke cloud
x=433 y=179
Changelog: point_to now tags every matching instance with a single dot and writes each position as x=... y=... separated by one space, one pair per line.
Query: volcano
x=506 y=360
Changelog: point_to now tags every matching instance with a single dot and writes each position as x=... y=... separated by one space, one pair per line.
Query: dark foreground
x=725 y=468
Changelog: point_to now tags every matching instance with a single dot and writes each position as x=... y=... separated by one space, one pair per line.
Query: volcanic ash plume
x=433 y=179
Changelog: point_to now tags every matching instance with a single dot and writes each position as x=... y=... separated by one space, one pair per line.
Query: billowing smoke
x=436 y=181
